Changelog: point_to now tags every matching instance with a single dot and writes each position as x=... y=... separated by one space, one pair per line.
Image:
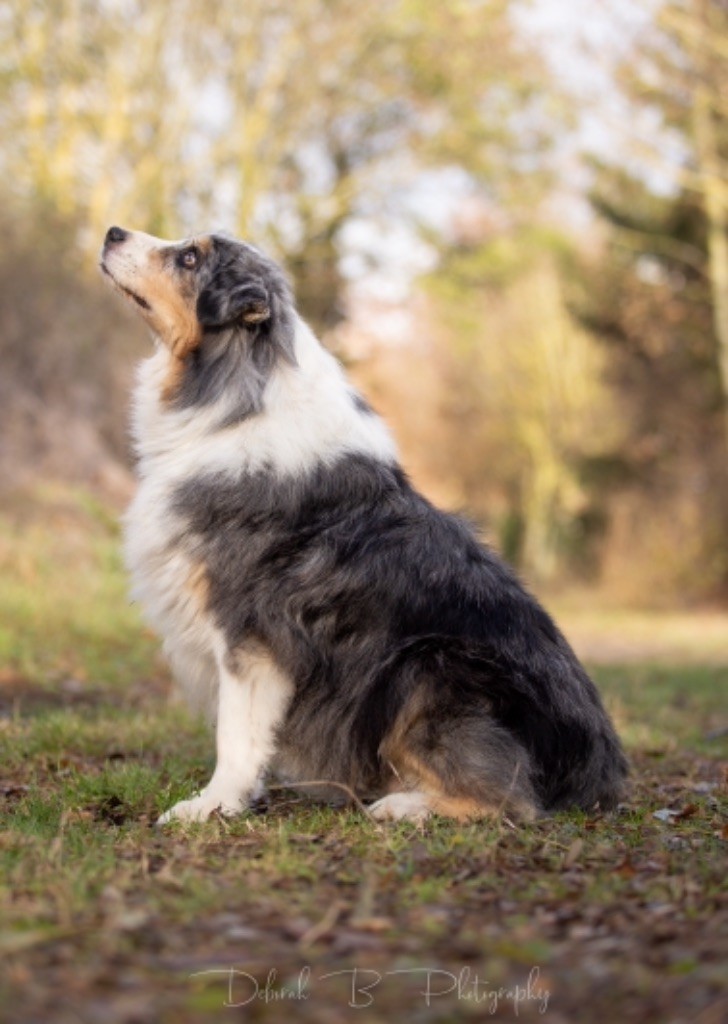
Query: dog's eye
x=189 y=259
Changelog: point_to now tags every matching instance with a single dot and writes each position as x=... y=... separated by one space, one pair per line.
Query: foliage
x=322 y=127
x=283 y=120
x=684 y=75
x=656 y=296
x=67 y=349
x=525 y=385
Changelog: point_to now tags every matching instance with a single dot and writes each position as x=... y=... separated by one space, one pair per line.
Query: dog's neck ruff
x=309 y=414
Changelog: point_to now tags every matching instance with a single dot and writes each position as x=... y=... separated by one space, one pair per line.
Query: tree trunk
x=715 y=192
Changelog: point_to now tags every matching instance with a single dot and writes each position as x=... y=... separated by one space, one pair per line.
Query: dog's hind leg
x=466 y=768
x=428 y=796
x=403 y=805
x=252 y=700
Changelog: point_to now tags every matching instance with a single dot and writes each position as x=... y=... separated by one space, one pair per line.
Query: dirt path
x=624 y=637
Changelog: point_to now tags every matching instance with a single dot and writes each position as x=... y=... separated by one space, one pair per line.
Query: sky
x=583 y=41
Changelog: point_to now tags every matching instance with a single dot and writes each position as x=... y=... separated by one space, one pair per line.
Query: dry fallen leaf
x=372 y=924
x=687 y=812
x=626 y=869
x=676 y=813
x=573 y=853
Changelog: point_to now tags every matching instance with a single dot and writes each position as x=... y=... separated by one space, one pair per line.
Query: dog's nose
x=115 y=235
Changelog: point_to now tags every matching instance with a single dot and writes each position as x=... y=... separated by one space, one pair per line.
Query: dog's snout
x=115 y=234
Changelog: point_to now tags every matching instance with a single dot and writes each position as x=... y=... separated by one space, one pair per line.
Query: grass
x=104 y=917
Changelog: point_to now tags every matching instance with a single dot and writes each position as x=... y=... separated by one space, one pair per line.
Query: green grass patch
x=659 y=708
x=64 y=608
x=620 y=913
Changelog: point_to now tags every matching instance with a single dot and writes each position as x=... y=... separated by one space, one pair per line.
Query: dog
x=335 y=626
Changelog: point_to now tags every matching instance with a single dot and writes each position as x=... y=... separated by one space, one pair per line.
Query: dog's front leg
x=252 y=700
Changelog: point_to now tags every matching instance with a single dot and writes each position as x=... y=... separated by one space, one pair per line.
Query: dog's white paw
x=412 y=806
x=200 y=807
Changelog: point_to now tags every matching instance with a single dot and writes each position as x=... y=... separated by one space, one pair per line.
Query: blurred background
x=509 y=218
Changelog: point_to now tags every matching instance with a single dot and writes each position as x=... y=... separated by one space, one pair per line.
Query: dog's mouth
x=123 y=289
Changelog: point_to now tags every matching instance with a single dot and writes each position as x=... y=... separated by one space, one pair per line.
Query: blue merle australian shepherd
x=333 y=624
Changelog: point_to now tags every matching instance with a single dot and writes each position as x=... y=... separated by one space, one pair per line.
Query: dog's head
x=221 y=308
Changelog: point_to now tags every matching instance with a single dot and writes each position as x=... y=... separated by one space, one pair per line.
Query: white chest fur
x=309 y=417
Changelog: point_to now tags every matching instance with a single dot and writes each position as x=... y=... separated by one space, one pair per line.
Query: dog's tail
x=577 y=756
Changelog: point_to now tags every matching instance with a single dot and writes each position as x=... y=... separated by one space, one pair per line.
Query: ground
x=309 y=913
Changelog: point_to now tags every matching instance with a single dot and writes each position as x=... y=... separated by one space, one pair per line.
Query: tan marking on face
x=143 y=269
x=172 y=297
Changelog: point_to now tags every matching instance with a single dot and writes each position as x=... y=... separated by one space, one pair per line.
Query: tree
x=683 y=74
x=657 y=296
x=648 y=296
x=283 y=120
x=525 y=386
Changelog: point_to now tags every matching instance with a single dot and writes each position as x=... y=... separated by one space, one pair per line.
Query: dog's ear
x=233 y=297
